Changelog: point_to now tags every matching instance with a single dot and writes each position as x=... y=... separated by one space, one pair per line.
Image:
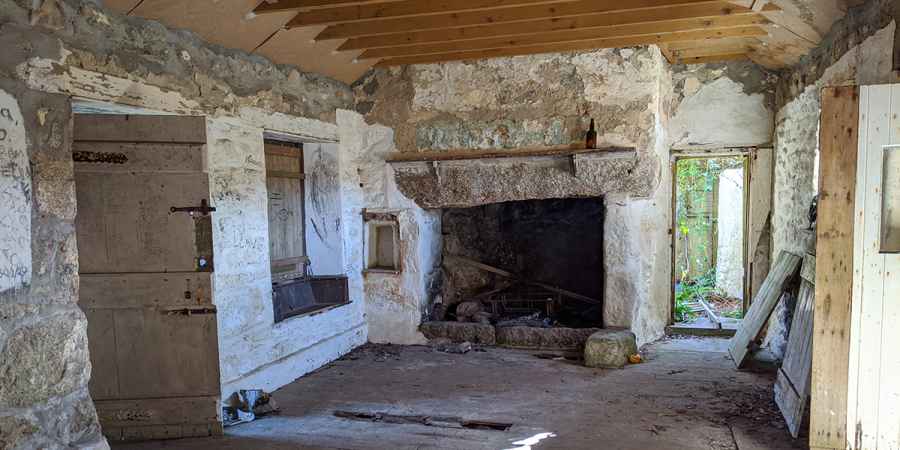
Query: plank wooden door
x=793 y=384
x=786 y=266
x=759 y=225
x=146 y=275
x=284 y=185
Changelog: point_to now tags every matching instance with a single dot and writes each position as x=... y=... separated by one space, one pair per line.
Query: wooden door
x=284 y=184
x=146 y=275
x=759 y=223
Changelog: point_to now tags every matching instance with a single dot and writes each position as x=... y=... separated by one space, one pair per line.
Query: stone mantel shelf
x=536 y=152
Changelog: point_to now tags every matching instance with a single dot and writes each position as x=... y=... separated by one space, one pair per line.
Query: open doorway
x=710 y=210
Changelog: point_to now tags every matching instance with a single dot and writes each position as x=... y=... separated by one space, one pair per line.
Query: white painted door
x=874 y=378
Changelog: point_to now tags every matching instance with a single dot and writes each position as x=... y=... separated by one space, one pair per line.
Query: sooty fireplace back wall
x=558 y=242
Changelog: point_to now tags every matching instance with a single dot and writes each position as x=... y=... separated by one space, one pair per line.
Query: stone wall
x=66 y=48
x=730 y=226
x=395 y=302
x=44 y=399
x=858 y=50
x=540 y=101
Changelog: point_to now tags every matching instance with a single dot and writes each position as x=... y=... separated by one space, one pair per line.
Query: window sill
x=375 y=270
x=311 y=311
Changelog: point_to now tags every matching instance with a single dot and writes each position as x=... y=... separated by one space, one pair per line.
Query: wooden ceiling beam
x=726 y=25
x=277 y=6
x=653 y=15
x=492 y=17
x=406 y=8
x=563 y=47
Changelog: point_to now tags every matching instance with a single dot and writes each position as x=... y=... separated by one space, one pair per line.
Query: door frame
x=676 y=155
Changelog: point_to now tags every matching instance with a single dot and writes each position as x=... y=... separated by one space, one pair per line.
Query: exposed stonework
x=845 y=36
x=175 y=62
x=529 y=101
x=44 y=364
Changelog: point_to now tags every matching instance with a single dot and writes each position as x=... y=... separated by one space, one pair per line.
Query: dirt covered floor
x=686 y=395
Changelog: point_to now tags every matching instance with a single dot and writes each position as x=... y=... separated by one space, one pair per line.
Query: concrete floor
x=686 y=395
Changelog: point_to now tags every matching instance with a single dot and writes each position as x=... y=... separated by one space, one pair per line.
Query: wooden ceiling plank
x=713 y=49
x=736 y=24
x=563 y=47
x=268 y=7
x=703 y=10
x=714 y=58
x=406 y=8
x=493 y=17
x=724 y=42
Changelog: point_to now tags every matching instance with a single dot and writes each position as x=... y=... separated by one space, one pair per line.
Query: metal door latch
x=203 y=209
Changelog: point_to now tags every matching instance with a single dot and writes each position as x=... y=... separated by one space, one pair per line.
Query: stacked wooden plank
x=792 y=387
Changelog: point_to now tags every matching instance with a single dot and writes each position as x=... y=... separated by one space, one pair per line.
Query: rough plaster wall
x=324 y=241
x=44 y=362
x=730 y=252
x=722 y=105
x=537 y=101
x=395 y=303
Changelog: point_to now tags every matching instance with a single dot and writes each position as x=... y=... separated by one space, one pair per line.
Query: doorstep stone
x=475 y=333
x=609 y=349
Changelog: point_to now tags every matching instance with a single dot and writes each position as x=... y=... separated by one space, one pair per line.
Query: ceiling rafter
x=562 y=47
x=701 y=11
x=492 y=17
x=740 y=25
x=276 y=6
x=406 y=8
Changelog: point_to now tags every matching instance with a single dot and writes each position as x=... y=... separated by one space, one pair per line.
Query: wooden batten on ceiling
x=399 y=32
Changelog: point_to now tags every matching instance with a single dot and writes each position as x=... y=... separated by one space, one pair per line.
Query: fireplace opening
x=532 y=263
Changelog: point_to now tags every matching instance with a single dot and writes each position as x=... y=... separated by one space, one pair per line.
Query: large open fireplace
x=525 y=263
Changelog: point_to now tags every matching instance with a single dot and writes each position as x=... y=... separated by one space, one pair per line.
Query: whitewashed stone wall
x=15 y=197
x=254 y=351
x=730 y=251
x=395 y=303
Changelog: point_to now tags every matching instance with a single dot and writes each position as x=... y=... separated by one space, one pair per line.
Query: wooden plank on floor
x=792 y=386
x=785 y=268
x=834 y=266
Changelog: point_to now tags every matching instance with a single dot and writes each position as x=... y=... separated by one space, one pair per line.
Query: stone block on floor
x=544 y=338
x=609 y=349
x=475 y=333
